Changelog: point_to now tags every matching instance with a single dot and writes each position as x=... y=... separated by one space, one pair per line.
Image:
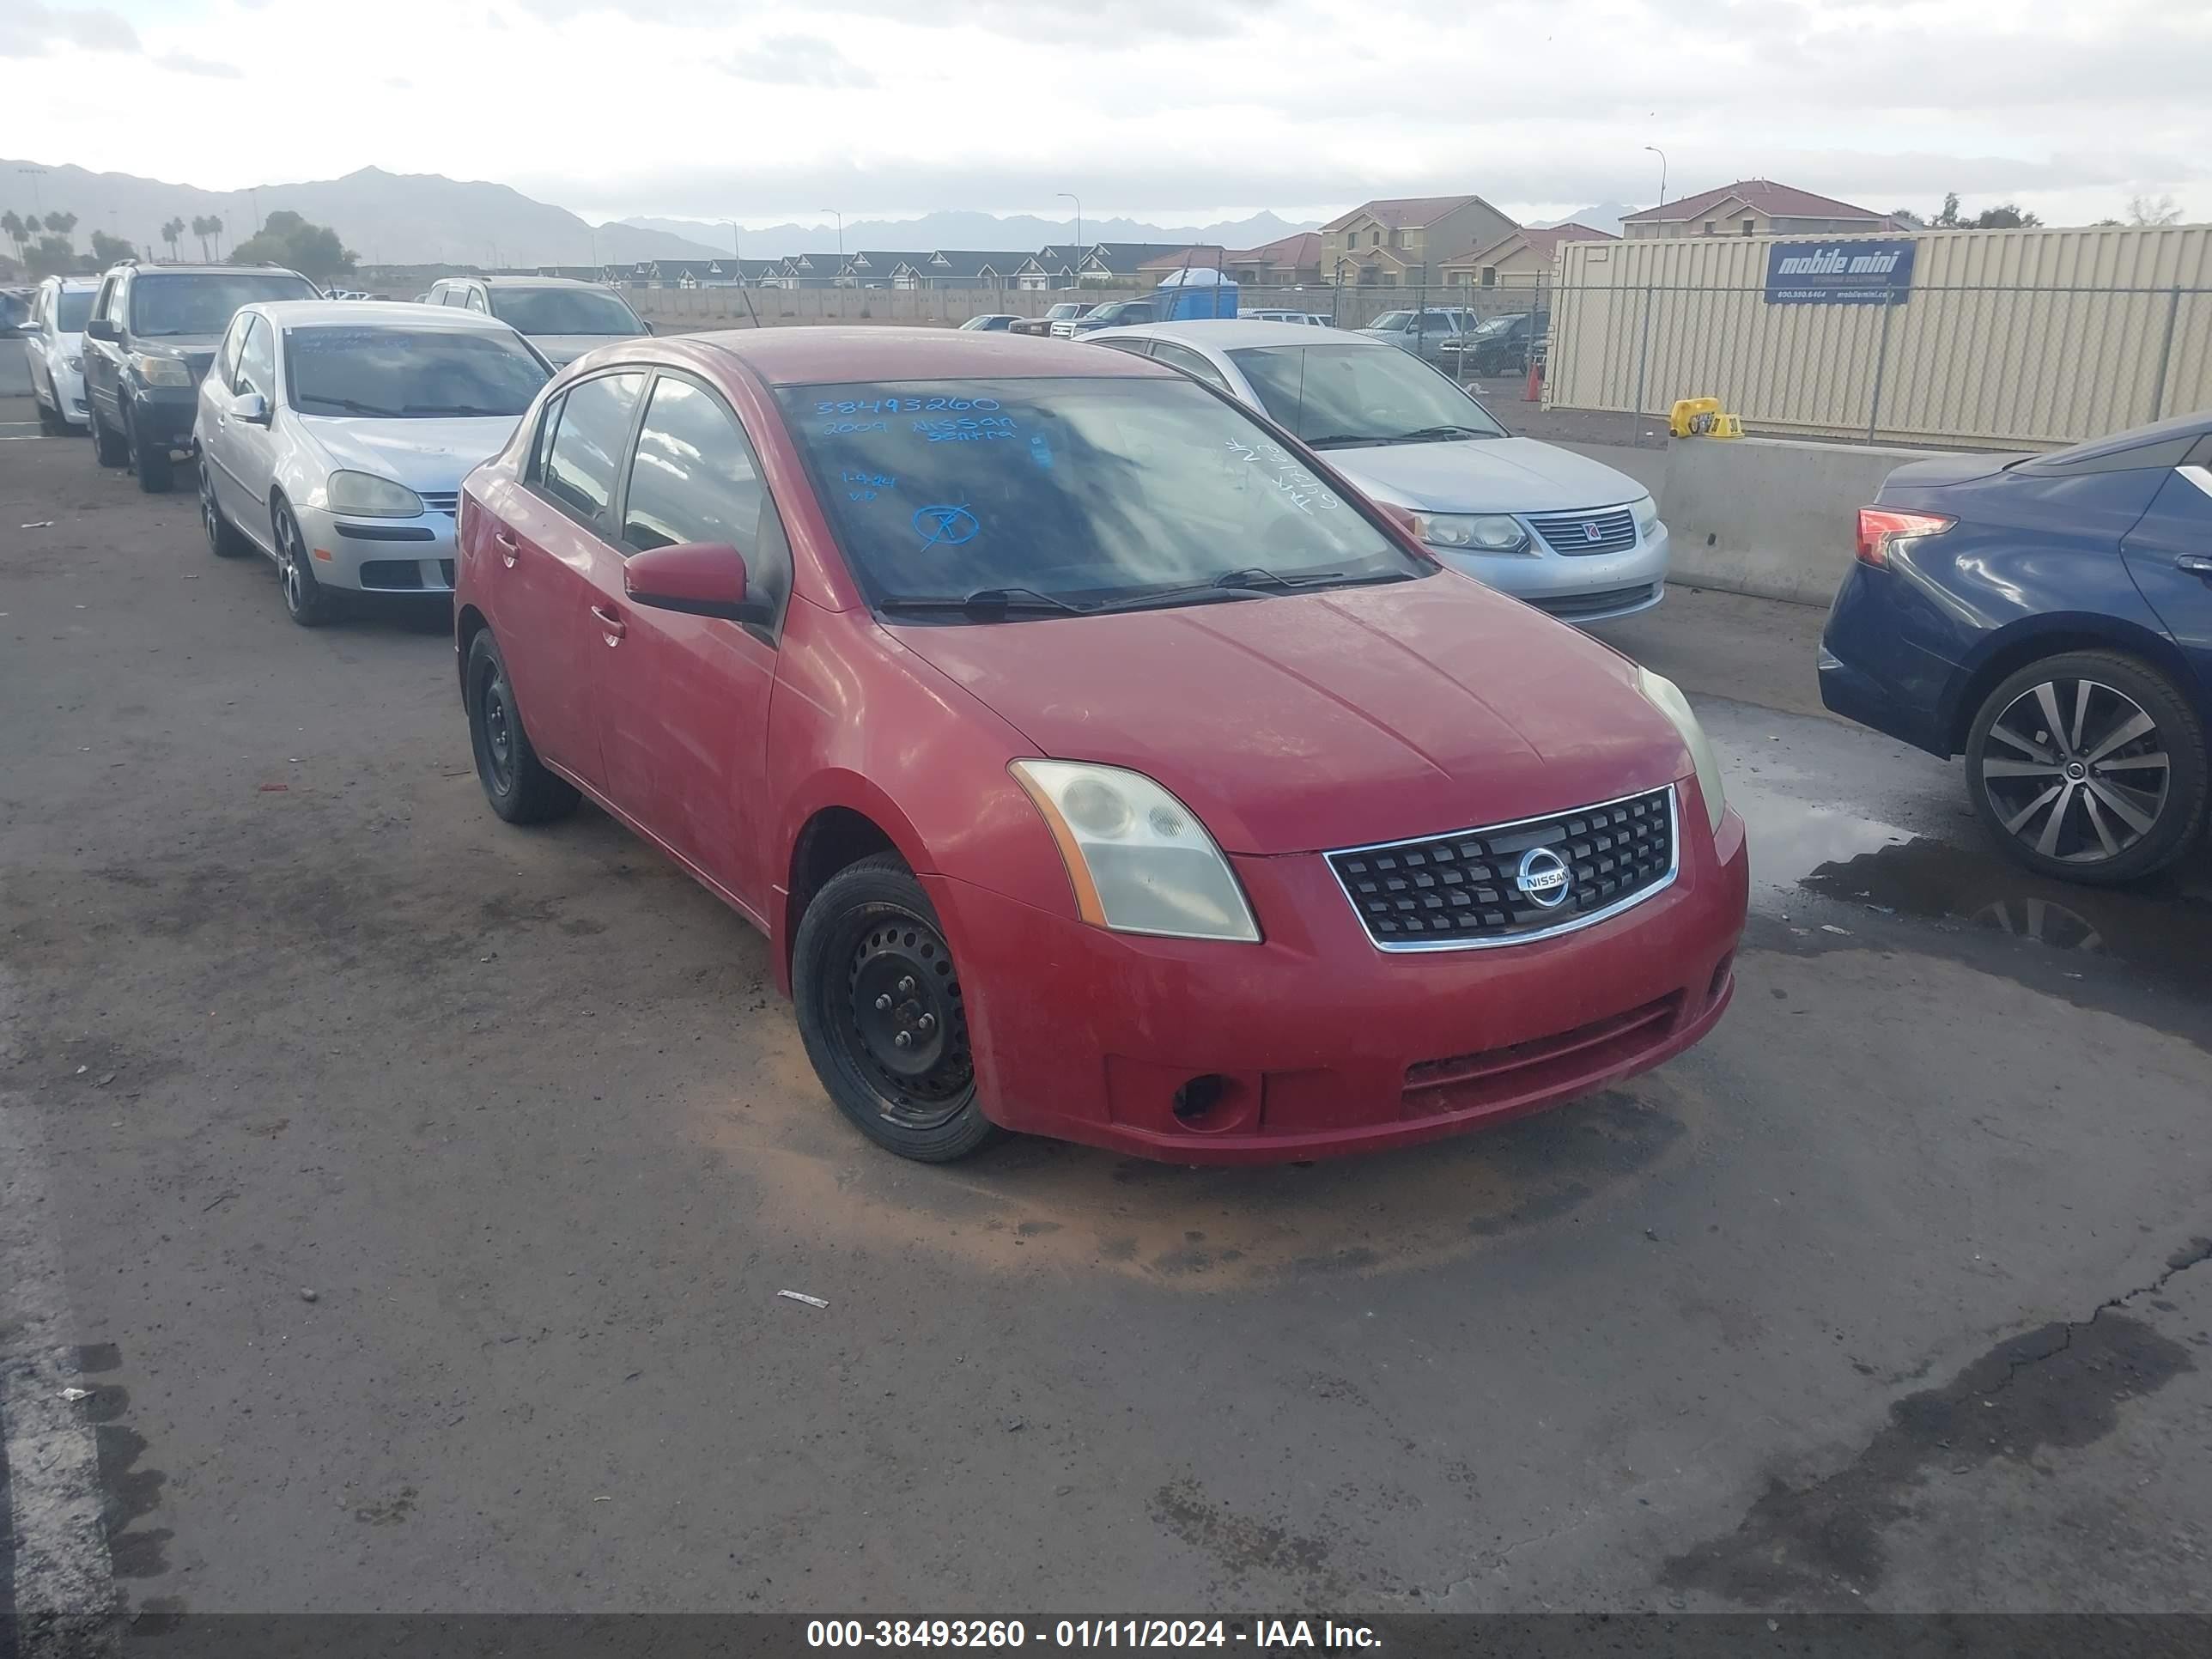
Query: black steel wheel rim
x=2076 y=770
x=902 y=1020
x=495 y=724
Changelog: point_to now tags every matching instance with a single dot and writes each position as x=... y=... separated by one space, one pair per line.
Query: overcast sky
x=1175 y=110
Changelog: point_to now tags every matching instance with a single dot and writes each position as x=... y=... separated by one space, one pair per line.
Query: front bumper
x=380 y=555
x=1581 y=589
x=1316 y=1043
x=162 y=417
x=69 y=394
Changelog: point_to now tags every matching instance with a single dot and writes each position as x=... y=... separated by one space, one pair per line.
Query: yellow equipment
x=1703 y=418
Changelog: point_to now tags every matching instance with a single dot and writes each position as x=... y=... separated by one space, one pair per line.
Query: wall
x=1774 y=517
x=2009 y=339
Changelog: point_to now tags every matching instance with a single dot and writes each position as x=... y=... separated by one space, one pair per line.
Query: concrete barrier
x=1774 y=517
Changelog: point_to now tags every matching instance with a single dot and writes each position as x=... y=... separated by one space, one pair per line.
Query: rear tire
x=224 y=540
x=107 y=449
x=872 y=964
x=520 y=788
x=2090 y=766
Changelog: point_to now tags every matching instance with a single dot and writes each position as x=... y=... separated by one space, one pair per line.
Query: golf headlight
x=1647 y=516
x=1477 y=532
x=1663 y=695
x=1141 y=860
x=157 y=370
x=74 y=363
x=367 y=496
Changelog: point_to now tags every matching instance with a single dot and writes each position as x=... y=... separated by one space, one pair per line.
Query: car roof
x=1230 y=334
x=69 y=282
x=525 y=282
x=813 y=356
x=208 y=270
x=376 y=314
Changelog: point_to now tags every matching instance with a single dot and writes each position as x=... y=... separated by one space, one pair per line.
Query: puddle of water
x=1791 y=837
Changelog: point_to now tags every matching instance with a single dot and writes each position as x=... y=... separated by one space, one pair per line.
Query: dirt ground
x=412 y=1193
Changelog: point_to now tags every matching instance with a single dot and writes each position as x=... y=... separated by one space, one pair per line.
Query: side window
x=105 y=304
x=695 y=478
x=588 y=442
x=226 y=361
x=476 y=300
x=1190 y=362
x=1135 y=348
x=257 y=359
x=544 y=446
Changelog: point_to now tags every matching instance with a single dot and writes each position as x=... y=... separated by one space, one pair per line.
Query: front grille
x=1591 y=605
x=446 y=569
x=1463 y=890
x=400 y=575
x=440 y=501
x=1602 y=530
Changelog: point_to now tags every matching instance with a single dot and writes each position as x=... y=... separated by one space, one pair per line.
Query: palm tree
x=62 y=224
x=17 y=231
x=172 y=233
x=205 y=226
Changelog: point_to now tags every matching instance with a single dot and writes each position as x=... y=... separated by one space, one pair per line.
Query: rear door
x=553 y=555
x=683 y=701
x=2169 y=554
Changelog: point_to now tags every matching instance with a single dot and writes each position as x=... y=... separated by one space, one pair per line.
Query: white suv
x=561 y=317
x=54 y=342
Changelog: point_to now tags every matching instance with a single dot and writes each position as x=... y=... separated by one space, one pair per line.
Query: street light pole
x=1661 y=154
x=841 y=232
x=1077 y=280
x=37 y=201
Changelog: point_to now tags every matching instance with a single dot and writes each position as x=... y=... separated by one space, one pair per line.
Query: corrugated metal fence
x=2004 y=339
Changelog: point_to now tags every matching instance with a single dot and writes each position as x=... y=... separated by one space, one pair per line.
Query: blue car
x=2050 y=618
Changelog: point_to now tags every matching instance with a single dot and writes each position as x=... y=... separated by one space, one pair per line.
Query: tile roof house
x=1521 y=258
x=1119 y=263
x=1753 y=207
x=1404 y=242
x=1208 y=255
x=1292 y=261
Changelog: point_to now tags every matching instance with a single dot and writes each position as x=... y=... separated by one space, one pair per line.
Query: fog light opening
x=1721 y=977
x=1196 y=1100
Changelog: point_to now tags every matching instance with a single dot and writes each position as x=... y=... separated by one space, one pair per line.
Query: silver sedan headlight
x=1472 y=532
x=1139 y=860
x=1646 y=512
x=365 y=496
x=1663 y=695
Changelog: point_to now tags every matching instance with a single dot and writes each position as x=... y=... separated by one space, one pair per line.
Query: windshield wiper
x=453 y=408
x=351 y=405
x=1431 y=434
x=989 y=602
x=1253 y=575
x=1337 y=439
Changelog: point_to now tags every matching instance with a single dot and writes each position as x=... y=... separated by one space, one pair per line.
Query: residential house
x=1116 y=264
x=1207 y=255
x=1755 y=207
x=1292 y=261
x=806 y=271
x=877 y=268
x=1050 y=266
x=1523 y=258
x=1404 y=243
x=694 y=273
x=952 y=267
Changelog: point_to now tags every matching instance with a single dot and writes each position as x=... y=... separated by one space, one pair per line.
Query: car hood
x=1297 y=723
x=563 y=350
x=428 y=455
x=1484 y=475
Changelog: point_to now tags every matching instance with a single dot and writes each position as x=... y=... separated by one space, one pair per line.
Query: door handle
x=610 y=625
x=2196 y=564
x=508 y=548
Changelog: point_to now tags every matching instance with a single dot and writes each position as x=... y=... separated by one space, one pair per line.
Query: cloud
x=185 y=63
x=32 y=29
x=796 y=60
x=1100 y=22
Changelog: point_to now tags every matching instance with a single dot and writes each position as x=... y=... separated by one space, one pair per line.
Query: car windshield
x=564 y=310
x=1332 y=395
x=1072 y=493
x=1495 y=326
x=204 y=302
x=70 y=310
x=409 y=373
x=1392 y=319
x=1065 y=308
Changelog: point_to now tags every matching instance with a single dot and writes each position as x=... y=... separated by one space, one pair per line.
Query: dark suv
x=152 y=333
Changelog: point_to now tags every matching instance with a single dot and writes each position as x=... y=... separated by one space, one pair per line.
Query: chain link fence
x=1962 y=365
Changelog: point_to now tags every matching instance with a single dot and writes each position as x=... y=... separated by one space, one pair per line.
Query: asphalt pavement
x=411 y=1195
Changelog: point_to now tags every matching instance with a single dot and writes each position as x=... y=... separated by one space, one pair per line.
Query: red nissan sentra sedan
x=1099 y=763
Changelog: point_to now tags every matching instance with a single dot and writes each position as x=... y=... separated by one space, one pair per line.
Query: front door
x=103 y=362
x=2169 y=554
x=247 y=450
x=683 y=701
x=551 y=556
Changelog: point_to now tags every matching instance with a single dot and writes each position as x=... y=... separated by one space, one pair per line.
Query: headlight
x=372 y=497
x=1647 y=516
x=156 y=370
x=1483 y=532
x=1141 y=860
x=1663 y=695
x=74 y=363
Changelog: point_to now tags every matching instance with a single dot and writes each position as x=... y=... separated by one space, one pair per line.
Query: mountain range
x=986 y=233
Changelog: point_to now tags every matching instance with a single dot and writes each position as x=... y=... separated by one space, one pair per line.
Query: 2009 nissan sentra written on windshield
x=1099 y=764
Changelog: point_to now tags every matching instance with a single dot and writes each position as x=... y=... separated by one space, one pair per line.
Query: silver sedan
x=1570 y=535
x=332 y=437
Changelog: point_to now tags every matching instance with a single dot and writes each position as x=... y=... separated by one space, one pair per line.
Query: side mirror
x=700 y=578
x=250 y=407
x=650 y=328
x=101 y=328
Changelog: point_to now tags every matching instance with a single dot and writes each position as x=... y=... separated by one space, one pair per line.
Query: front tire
x=519 y=785
x=150 y=467
x=882 y=1015
x=2090 y=766
x=307 y=601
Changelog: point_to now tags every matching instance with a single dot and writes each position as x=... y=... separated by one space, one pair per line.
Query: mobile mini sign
x=1844 y=273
